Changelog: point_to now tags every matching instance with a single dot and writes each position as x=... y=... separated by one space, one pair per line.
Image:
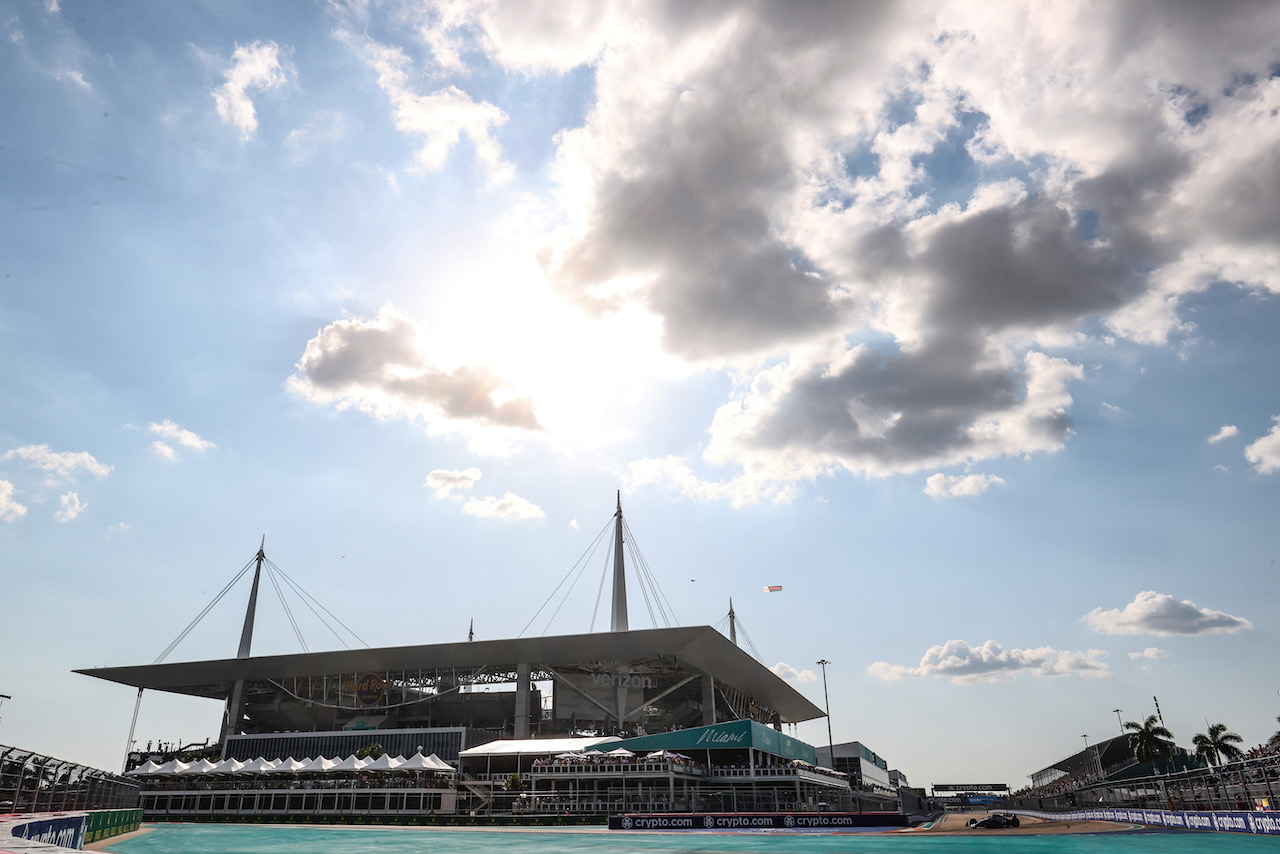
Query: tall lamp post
x=831 y=744
x=1119 y=720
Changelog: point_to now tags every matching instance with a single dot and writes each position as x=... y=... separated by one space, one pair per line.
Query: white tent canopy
x=258 y=766
x=384 y=763
x=143 y=770
x=351 y=763
x=317 y=765
x=173 y=766
x=227 y=766
x=200 y=766
x=288 y=766
x=418 y=762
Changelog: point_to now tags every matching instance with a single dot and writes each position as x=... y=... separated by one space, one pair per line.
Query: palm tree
x=1275 y=739
x=1218 y=744
x=1148 y=739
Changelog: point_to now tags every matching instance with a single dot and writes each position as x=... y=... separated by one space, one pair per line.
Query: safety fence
x=32 y=782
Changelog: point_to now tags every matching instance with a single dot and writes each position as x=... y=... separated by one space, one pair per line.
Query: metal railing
x=33 y=782
x=1245 y=784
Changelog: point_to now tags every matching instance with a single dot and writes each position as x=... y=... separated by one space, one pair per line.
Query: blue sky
x=958 y=323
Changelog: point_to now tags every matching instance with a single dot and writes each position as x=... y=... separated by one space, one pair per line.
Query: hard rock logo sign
x=370 y=688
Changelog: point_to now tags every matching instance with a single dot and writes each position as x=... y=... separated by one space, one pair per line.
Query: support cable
x=663 y=603
x=604 y=573
x=585 y=555
x=742 y=630
x=288 y=612
x=644 y=588
x=207 y=608
x=312 y=603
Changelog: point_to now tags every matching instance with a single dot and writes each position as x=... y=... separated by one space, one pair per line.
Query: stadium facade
x=642 y=687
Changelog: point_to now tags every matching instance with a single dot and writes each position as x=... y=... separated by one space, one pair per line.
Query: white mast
x=733 y=623
x=233 y=715
x=619 y=619
x=246 y=635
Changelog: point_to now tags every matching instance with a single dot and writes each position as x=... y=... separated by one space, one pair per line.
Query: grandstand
x=450 y=698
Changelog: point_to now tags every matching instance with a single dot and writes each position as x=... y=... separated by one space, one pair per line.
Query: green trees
x=1148 y=739
x=1275 y=739
x=370 y=751
x=1217 y=744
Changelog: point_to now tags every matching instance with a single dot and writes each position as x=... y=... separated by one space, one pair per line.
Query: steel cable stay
x=751 y=645
x=288 y=612
x=274 y=573
x=577 y=578
x=565 y=598
x=740 y=629
x=604 y=573
x=578 y=565
x=312 y=603
x=207 y=608
x=646 y=576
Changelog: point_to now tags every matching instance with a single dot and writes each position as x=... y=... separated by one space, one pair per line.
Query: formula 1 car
x=995 y=821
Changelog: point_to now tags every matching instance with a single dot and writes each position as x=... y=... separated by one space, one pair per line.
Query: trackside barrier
x=755 y=821
x=48 y=832
x=1229 y=822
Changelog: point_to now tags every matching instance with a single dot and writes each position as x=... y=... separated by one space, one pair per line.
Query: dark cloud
x=897 y=407
x=377 y=365
x=690 y=215
x=692 y=201
x=1021 y=265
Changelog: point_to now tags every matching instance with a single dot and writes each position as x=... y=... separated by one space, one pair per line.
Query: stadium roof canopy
x=700 y=649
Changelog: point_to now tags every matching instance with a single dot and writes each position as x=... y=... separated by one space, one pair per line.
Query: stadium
x=523 y=701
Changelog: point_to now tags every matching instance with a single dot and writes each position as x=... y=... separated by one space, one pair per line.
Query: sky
x=957 y=321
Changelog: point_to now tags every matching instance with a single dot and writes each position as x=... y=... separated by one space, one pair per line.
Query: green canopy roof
x=727 y=736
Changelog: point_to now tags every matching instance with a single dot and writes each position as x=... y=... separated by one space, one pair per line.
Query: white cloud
x=1151 y=653
x=791 y=674
x=1225 y=432
x=439 y=118
x=254 y=68
x=380 y=367
x=60 y=464
x=759 y=199
x=73 y=76
x=1152 y=613
x=69 y=507
x=964 y=664
x=509 y=506
x=739 y=491
x=10 y=509
x=170 y=432
x=445 y=481
x=952 y=486
x=325 y=129
x=1264 y=452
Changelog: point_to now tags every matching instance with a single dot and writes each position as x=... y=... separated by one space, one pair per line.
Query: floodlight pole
x=831 y=744
x=1119 y=720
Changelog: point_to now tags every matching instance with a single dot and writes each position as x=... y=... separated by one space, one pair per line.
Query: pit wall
x=52 y=832
x=1228 y=822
